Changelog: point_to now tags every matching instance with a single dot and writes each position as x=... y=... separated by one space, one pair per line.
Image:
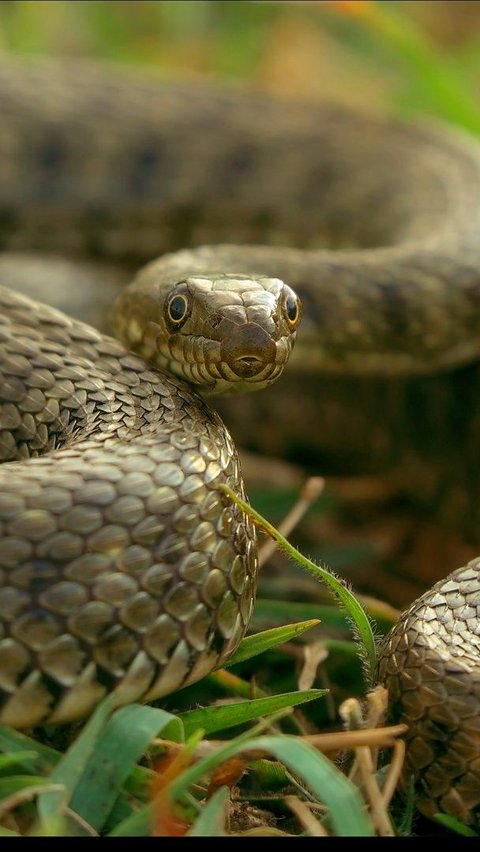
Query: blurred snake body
x=123 y=568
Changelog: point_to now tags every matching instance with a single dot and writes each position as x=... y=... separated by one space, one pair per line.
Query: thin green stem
x=361 y=626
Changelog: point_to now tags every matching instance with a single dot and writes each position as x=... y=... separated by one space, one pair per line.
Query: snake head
x=222 y=333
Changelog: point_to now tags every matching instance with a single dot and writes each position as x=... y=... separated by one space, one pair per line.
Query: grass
x=98 y=787
x=142 y=770
x=276 y=770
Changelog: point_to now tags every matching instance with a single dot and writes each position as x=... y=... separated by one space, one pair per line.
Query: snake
x=124 y=569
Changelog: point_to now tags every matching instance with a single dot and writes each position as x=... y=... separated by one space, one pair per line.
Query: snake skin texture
x=385 y=220
x=121 y=565
x=431 y=665
x=122 y=568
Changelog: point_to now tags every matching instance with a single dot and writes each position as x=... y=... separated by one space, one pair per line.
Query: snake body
x=123 y=567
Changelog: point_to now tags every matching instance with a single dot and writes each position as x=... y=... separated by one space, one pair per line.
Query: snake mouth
x=247 y=366
x=247 y=350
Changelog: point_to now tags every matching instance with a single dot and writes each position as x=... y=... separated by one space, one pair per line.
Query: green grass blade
x=71 y=767
x=252 y=646
x=136 y=825
x=220 y=717
x=362 y=628
x=11 y=785
x=81 y=761
x=20 y=758
x=138 y=783
x=235 y=686
x=347 y=810
x=455 y=825
x=405 y=823
x=124 y=739
x=211 y=821
x=123 y=808
x=13 y=741
x=139 y=824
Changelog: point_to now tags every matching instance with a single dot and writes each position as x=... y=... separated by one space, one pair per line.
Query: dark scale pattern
x=121 y=565
x=430 y=663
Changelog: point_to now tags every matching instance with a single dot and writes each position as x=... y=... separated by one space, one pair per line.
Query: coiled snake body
x=123 y=568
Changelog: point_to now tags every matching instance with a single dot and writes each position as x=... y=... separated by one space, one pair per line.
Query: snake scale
x=122 y=565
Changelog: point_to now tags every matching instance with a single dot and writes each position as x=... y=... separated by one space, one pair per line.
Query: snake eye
x=177 y=309
x=292 y=309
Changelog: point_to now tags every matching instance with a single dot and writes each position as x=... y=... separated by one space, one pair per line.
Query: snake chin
x=228 y=387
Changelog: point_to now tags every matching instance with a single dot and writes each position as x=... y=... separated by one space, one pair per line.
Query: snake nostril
x=248 y=349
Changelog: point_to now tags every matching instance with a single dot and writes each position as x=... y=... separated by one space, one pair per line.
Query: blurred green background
x=401 y=56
